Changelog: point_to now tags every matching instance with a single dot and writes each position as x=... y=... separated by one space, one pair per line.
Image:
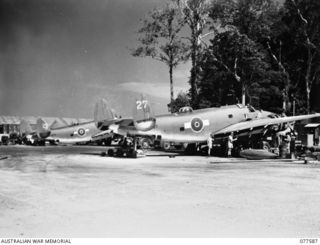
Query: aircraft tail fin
x=25 y=127
x=103 y=111
x=58 y=123
x=42 y=128
x=143 y=116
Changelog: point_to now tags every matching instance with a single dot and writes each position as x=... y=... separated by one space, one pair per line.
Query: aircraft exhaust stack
x=144 y=119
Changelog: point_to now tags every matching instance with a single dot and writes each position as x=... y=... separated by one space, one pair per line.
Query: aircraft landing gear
x=145 y=143
x=166 y=146
x=191 y=149
x=127 y=148
x=108 y=141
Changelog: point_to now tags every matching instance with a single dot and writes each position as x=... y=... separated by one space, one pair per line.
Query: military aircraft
x=79 y=133
x=31 y=133
x=195 y=126
x=76 y=133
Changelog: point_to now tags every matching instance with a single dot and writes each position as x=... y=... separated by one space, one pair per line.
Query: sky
x=58 y=57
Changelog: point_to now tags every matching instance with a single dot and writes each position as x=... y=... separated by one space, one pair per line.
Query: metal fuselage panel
x=194 y=126
x=75 y=133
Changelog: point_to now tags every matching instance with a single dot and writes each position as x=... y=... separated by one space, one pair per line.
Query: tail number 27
x=141 y=104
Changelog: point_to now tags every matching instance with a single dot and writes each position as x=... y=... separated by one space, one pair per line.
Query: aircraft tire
x=166 y=146
x=110 y=152
x=144 y=143
x=119 y=152
x=236 y=151
x=191 y=149
x=133 y=154
x=266 y=145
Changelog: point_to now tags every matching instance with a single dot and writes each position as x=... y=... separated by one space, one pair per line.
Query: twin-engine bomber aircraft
x=71 y=134
x=195 y=126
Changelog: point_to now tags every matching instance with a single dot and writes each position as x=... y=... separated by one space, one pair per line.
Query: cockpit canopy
x=251 y=108
x=185 y=109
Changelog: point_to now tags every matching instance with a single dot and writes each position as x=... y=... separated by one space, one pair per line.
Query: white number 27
x=141 y=104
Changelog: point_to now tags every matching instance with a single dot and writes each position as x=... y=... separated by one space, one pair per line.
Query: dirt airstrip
x=62 y=191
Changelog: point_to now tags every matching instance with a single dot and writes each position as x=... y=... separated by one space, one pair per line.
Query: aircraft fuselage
x=75 y=133
x=195 y=126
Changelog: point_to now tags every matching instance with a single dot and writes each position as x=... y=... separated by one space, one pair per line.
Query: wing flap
x=122 y=122
x=261 y=124
x=102 y=135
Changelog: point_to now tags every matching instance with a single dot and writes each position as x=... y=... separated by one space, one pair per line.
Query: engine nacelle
x=145 y=125
x=44 y=134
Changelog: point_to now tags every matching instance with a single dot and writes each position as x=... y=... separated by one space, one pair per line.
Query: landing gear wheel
x=119 y=152
x=110 y=152
x=166 y=146
x=191 y=149
x=266 y=146
x=144 y=143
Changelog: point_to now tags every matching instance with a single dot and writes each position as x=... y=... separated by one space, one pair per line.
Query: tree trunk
x=284 y=99
x=193 y=68
x=308 y=98
x=285 y=92
x=243 y=101
x=171 y=86
x=307 y=77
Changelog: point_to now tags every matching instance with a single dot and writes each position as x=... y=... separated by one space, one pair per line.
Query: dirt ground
x=64 y=191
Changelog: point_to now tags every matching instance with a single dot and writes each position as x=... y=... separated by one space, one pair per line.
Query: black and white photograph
x=159 y=119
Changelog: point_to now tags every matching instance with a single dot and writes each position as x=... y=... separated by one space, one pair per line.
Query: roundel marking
x=81 y=131
x=45 y=125
x=196 y=124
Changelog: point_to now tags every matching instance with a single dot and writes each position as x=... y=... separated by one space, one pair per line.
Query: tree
x=239 y=57
x=216 y=87
x=301 y=20
x=253 y=19
x=182 y=100
x=267 y=93
x=159 y=39
x=196 y=16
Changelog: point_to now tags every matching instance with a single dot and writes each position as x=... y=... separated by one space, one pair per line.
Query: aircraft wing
x=102 y=135
x=121 y=122
x=259 y=124
x=143 y=118
x=109 y=126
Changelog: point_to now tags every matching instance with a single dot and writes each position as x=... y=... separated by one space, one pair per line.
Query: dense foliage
x=258 y=52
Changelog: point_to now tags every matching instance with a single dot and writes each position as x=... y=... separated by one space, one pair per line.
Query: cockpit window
x=251 y=109
x=185 y=109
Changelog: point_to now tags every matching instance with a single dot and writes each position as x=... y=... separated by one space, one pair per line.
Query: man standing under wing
x=209 y=143
x=230 y=143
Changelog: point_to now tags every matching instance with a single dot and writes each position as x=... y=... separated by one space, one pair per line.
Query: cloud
x=58 y=57
x=182 y=72
x=159 y=90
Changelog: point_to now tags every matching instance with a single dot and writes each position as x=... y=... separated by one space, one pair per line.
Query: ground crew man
x=230 y=143
x=209 y=143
